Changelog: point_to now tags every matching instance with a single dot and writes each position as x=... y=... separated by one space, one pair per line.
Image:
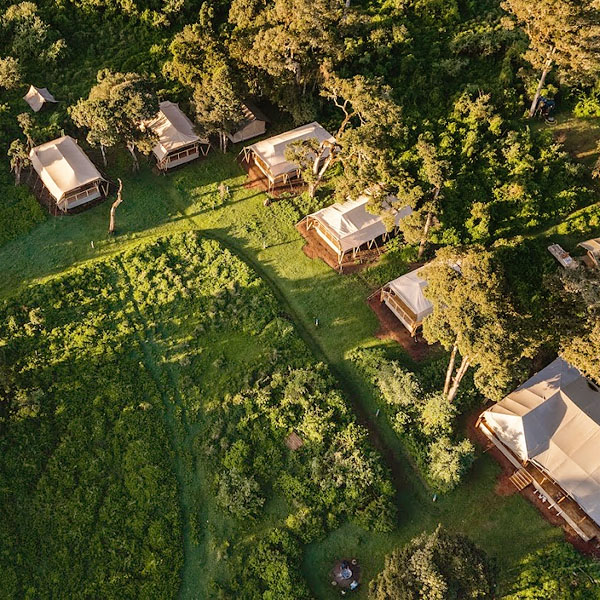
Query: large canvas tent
x=269 y=154
x=405 y=298
x=347 y=226
x=178 y=143
x=37 y=97
x=593 y=249
x=254 y=125
x=553 y=422
x=67 y=173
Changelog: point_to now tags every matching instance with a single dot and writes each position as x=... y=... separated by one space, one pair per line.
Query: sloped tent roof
x=351 y=224
x=63 y=166
x=592 y=246
x=252 y=113
x=553 y=419
x=409 y=288
x=173 y=128
x=36 y=97
x=272 y=150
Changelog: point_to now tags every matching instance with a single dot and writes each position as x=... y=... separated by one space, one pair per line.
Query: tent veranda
x=405 y=298
x=269 y=154
x=67 y=173
x=178 y=143
x=348 y=226
x=37 y=97
x=553 y=421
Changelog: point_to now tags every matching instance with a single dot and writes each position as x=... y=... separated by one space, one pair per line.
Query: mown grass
x=308 y=289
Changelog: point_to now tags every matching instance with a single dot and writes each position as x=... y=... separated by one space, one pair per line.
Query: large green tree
x=115 y=111
x=474 y=317
x=282 y=44
x=219 y=107
x=581 y=348
x=562 y=33
x=438 y=566
x=557 y=571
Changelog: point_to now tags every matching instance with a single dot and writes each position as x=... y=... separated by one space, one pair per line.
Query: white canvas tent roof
x=173 y=128
x=553 y=419
x=63 y=166
x=409 y=288
x=272 y=150
x=592 y=245
x=351 y=224
x=36 y=97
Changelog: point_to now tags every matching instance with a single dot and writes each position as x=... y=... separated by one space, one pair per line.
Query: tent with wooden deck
x=269 y=154
x=593 y=250
x=405 y=298
x=348 y=226
x=552 y=422
x=37 y=97
x=255 y=124
x=178 y=143
x=67 y=173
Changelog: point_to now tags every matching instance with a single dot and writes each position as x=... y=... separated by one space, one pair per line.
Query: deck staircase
x=521 y=479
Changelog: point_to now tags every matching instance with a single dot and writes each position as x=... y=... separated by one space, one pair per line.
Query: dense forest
x=148 y=396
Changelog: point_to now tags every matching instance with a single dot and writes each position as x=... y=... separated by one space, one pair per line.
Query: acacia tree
x=474 y=317
x=437 y=566
x=219 y=108
x=115 y=111
x=565 y=33
x=370 y=120
x=19 y=158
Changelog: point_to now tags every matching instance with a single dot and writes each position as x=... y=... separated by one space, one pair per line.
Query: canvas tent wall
x=348 y=226
x=553 y=420
x=37 y=97
x=269 y=154
x=254 y=125
x=67 y=173
x=405 y=298
x=178 y=143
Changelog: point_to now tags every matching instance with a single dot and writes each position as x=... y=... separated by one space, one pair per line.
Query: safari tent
x=67 y=174
x=405 y=298
x=37 y=97
x=593 y=251
x=269 y=154
x=549 y=428
x=177 y=140
x=348 y=226
x=254 y=125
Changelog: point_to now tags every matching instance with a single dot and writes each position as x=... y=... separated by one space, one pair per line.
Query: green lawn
x=266 y=239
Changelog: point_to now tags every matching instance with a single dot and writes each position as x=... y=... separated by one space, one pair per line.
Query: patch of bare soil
x=390 y=328
x=504 y=484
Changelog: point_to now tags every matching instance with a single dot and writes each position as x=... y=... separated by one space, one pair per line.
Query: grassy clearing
x=188 y=199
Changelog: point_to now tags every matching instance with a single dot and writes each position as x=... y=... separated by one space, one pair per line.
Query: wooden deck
x=257 y=179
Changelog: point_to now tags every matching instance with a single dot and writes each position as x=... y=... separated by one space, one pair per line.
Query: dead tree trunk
x=103 y=154
x=547 y=68
x=113 y=209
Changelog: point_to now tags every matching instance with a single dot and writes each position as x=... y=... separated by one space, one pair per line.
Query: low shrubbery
x=120 y=375
x=422 y=416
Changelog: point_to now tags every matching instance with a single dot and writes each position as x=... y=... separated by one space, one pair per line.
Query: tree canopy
x=436 y=566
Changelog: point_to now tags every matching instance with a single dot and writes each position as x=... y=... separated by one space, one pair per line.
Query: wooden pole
x=113 y=208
